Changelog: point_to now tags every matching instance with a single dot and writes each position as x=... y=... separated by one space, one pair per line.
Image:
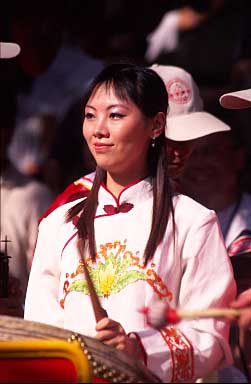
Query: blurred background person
x=242 y=100
x=53 y=69
x=205 y=38
x=23 y=200
x=187 y=120
x=213 y=176
x=10 y=294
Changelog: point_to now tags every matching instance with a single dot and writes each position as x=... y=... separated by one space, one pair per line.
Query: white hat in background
x=9 y=50
x=186 y=119
x=236 y=100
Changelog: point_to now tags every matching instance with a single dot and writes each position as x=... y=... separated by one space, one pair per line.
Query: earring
x=153 y=142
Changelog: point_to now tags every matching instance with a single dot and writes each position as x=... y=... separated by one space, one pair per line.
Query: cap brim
x=236 y=100
x=193 y=125
x=9 y=50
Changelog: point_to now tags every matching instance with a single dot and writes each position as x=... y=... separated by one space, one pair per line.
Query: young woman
x=142 y=244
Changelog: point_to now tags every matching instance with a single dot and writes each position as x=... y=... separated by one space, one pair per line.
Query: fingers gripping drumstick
x=99 y=311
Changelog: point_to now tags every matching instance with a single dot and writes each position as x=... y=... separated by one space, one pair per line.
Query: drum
x=107 y=364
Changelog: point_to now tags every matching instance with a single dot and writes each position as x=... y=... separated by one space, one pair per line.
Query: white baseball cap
x=9 y=50
x=236 y=100
x=186 y=119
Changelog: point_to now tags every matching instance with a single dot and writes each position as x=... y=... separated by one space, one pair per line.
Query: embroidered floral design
x=182 y=354
x=109 y=277
x=114 y=269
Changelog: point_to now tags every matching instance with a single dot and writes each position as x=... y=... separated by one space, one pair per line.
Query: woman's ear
x=159 y=123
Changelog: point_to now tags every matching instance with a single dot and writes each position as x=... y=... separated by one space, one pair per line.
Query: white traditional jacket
x=22 y=201
x=196 y=274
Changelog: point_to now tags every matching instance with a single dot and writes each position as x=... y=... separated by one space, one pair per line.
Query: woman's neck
x=116 y=184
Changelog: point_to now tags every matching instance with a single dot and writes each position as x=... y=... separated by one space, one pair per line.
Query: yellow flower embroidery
x=107 y=278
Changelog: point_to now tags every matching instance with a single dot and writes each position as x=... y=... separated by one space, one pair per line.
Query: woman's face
x=118 y=134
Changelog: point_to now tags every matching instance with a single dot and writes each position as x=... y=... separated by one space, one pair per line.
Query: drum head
x=107 y=362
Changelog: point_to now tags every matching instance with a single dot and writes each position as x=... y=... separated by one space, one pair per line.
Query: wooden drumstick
x=173 y=315
x=99 y=311
x=161 y=315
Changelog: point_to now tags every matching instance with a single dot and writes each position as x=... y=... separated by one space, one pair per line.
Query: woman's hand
x=243 y=301
x=111 y=333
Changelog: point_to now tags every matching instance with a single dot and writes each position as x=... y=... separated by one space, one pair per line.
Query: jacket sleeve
x=42 y=303
x=195 y=348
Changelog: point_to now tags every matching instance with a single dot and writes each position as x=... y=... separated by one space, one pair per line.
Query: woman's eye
x=116 y=115
x=88 y=115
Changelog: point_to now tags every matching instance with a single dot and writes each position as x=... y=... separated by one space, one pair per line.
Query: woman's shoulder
x=185 y=206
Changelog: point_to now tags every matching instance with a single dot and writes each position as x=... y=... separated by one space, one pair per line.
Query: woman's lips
x=101 y=147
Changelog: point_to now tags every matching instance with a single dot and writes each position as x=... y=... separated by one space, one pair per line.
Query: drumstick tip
x=172 y=316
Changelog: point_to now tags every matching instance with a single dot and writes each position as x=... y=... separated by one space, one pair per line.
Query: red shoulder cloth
x=78 y=189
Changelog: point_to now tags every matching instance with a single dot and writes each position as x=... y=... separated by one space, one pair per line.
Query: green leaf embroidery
x=79 y=286
x=109 y=277
x=126 y=279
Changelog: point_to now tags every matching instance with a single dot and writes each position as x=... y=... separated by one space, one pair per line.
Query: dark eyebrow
x=89 y=106
x=118 y=105
x=109 y=107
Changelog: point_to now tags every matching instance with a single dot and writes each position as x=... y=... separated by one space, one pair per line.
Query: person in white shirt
x=22 y=201
x=213 y=176
x=142 y=243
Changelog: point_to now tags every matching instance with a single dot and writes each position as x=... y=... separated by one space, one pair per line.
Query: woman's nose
x=101 y=129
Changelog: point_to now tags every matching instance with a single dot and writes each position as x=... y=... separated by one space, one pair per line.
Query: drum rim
x=19 y=328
